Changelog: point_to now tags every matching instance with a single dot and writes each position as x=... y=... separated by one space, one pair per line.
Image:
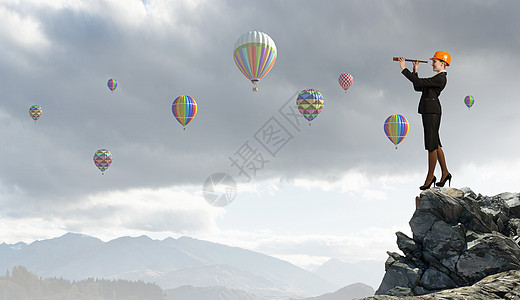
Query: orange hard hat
x=444 y=56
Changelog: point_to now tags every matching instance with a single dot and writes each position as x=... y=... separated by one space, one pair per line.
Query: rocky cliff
x=459 y=238
x=505 y=285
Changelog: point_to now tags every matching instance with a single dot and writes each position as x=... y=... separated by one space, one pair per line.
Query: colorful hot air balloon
x=396 y=128
x=310 y=103
x=112 y=84
x=469 y=100
x=102 y=159
x=184 y=109
x=35 y=112
x=255 y=54
x=345 y=80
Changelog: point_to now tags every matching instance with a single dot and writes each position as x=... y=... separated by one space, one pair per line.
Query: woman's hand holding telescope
x=415 y=62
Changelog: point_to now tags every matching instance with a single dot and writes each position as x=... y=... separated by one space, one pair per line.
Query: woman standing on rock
x=430 y=110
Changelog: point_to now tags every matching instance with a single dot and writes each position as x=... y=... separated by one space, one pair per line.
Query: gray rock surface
x=505 y=285
x=459 y=238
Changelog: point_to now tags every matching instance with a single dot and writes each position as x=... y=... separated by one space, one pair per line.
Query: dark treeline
x=24 y=285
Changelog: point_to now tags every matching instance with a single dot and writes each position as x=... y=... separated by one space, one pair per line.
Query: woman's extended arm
x=437 y=81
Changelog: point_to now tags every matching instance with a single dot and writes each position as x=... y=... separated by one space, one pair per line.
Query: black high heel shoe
x=425 y=187
x=443 y=182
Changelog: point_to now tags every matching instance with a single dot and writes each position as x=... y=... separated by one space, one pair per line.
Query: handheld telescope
x=412 y=60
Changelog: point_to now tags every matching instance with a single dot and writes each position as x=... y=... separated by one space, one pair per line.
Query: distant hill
x=170 y=263
x=343 y=273
x=353 y=291
x=20 y=284
x=189 y=292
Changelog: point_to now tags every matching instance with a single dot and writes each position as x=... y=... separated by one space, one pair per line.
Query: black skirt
x=431 y=125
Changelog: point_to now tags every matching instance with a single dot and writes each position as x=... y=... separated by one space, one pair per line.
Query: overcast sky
x=337 y=188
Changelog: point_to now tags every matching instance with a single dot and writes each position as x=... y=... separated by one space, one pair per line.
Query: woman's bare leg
x=442 y=163
x=432 y=161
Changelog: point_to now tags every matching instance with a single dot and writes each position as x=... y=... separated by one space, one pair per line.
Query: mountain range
x=341 y=273
x=188 y=292
x=169 y=263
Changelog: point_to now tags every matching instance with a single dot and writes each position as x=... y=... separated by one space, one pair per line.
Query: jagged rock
x=514 y=227
x=504 y=285
x=513 y=203
x=404 y=274
x=469 y=193
x=399 y=291
x=444 y=241
x=433 y=279
x=407 y=245
x=459 y=238
x=488 y=254
x=392 y=257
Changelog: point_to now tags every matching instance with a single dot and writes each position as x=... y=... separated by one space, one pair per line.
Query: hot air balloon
x=102 y=159
x=345 y=80
x=35 y=112
x=255 y=54
x=396 y=128
x=310 y=103
x=469 y=100
x=184 y=109
x=112 y=84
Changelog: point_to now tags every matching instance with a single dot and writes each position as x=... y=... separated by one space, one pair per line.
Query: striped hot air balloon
x=184 y=108
x=469 y=100
x=255 y=54
x=396 y=128
x=112 y=84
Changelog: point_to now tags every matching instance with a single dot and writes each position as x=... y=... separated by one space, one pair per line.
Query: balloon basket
x=255 y=88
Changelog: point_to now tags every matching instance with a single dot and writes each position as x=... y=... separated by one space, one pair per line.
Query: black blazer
x=431 y=89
